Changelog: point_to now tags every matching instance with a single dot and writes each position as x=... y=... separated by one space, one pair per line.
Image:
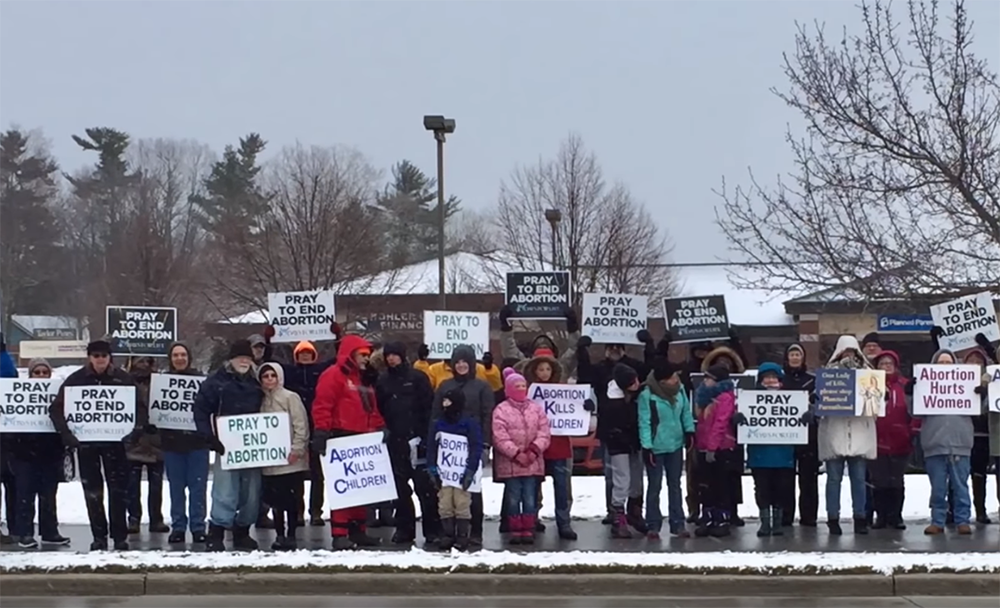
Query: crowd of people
x=658 y=421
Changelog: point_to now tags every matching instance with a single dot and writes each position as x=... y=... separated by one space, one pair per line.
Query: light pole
x=554 y=216
x=440 y=126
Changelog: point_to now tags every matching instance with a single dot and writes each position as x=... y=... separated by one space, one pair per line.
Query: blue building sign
x=905 y=323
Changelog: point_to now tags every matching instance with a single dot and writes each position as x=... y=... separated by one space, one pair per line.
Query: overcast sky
x=671 y=95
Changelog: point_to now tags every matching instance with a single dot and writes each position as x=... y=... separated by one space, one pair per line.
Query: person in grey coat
x=479 y=404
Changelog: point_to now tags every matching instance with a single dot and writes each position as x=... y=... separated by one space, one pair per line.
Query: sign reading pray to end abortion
x=254 y=441
x=444 y=330
x=24 y=404
x=773 y=417
x=538 y=295
x=613 y=318
x=302 y=315
x=100 y=413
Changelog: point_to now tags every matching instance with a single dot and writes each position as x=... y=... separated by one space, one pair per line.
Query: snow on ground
x=746 y=563
x=588 y=499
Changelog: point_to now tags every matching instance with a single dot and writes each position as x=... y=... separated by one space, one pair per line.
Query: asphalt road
x=496 y=602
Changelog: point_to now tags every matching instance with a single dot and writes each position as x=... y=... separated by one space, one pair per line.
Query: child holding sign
x=455 y=503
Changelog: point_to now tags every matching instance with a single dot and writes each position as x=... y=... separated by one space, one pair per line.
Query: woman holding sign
x=895 y=432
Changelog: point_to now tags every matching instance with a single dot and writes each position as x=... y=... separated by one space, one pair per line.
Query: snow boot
x=833 y=524
x=634 y=517
x=27 y=542
x=567 y=533
x=342 y=543
x=720 y=525
x=462 y=527
x=55 y=539
x=99 y=544
x=777 y=519
x=176 y=537
x=529 y=525
x=278 y=544
x=860 y=525
x=619 y=529
x=896 y=508
x=216 y=539
x=447 y=539
x=881 y=520
x=404 y=537
x=133 y=526
x=517 y=530
x=359 y=536
x=765 y=523
x=704 y=523
x=199 y=538
x=242 y=540
x=158 y=527
x=121 y=545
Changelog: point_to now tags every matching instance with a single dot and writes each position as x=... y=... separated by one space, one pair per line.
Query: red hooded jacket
x=343 y=404
x=896 y=429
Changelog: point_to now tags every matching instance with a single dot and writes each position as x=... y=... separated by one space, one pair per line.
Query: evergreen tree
x=409 y=210
x=234 y=204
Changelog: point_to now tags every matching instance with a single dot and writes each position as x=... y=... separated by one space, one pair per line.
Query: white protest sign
x=965 y=317
x=24 y=404
x=993 y=390
x=171 y=401
x=358 y=471
x=100 y=413
x=946 y=390
x=614 y=318
x=563 y=405
x=773 y=417
x=453 y=454
x=301 y=315
x=253 y=441
x=445 y=329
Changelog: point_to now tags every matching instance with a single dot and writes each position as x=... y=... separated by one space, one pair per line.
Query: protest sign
x=171 y=401
x=946 y=390
x=453 y=455
x=302 y=315
x=100 y=413
x=773 y=417
x=358 y=472
x=965 y=317
x=563 y=405
x=445 y=329
x=696 y=319
x=993 y=389
x=850 y=392
x=613 y=318
x=253 y=441
x=24 y=404
x=538 y=295
x=141 y=331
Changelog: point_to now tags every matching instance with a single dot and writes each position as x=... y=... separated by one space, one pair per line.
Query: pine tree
x=234 y=204
x=410 y=214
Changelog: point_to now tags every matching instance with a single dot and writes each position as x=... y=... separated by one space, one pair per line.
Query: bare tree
x=895 y=190
x=605 y=237
x=470 y=231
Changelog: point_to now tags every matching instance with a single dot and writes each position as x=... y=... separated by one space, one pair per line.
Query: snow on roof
x=35 y=322
x=745 y=306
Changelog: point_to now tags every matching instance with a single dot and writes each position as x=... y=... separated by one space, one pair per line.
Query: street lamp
x=440 y=126
x=554 y=216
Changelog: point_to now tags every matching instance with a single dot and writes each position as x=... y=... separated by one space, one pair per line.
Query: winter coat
x=226 y=393
x=182 y=442
x=981 y=422
x=566 y=361
x=799 y=379
x=302 y=378
x=405 y=399
x=773 y=456
x=33 y=447
x=519 y=426
x=847 y=436
x=344 y=404
x=442 y=371
x=560 y=447
x=456 y=422
x=724 y=351
x=8 y=369
x=895 y=430
x=283 y=400
x=663 y=422
x=87 y=376
x=946 y=435
x=715 y=407
x=618 y=421
x=144 y=447
x=478 y=394
x=601 y=375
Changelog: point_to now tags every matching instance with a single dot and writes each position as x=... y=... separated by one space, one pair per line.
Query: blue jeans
x=560 y=472
x=187 y=474
x=949 y=473
x=522 y=495
x=670 y=464
x=856 y=467
x=235 y=496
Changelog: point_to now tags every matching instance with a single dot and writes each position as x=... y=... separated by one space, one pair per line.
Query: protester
x=895 y=432
x=618 y=431
x=798 y=378
x=993 y=419
x=95 y=456
x=231 y=391
x=715 y=440
x=346 y=405
x=454 y=504
x=442 y=371
x=262 y=351
x=283 y=484
x=145 y=453
x=731 y=357
x=8 y=369
x=521 y=435
x=666 y=426
x=185 y=462
x=871 y=347
x=405 y=399
x=980 y=458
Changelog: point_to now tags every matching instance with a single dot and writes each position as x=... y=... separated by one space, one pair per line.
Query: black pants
x=808 y=474
x=36 y=479
x=406 y=515
x=771 y=486
x=716 y=481
x=283 y=493
x=110 y=456
x=154 y=475
x=316 y=485
x=9 y=485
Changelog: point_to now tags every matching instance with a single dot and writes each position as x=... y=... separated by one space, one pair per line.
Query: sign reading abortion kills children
x=24 y=405
x=613 y=318
x=171 y=401
x=254 y=440
x=301 y=315
x=563 y=405
x=358 y=471
x=445 y=329
x=965 y=317
x=141 y=331
x=850 y=392
x=946 y=390
x=993 y=389
x=773 y=418
x=696 y=319
x=538 y=295
x=453 y=454
x=100 y=413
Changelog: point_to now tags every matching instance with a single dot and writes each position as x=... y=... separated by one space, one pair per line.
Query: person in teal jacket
x=666 y=426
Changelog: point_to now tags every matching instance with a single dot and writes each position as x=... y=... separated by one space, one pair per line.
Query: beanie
x=240 y=348
x=718 y=373
x=394 y=348
x=624 y=376
x=870 y=339
x=770 y=368
x=99 y=347
x=256 y=339
x=665 y=368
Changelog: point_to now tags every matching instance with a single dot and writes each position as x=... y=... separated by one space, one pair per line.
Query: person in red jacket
x=345 y=405
x=895 y=432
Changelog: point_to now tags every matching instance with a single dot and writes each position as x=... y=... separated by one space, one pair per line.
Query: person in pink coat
x=520 y=436
x=715 y=442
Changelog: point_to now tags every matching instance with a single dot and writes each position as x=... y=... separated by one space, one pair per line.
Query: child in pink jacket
x=715 y=441
x=520 y=436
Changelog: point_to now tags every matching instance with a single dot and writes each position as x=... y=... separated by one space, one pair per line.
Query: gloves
x=936 y=332
x=689 y=440
x=217 y=446
x=663 y=346
x=70 y=441
x=318 y=442
x=505 y=314
x=467 y=480
x=524 y=459
x=813 y=398
x=133 y=436
x=733 y=336
x=335 y=330
x=572 y=322
x=293 y=457
x=423 y=352
x=739 y=419
x=435 y=478
x=807 y=417
x=584 y=342
x=588 y=405
x=981 y=390
x=648 y=457
x=710 y=457
x=488 y=360
x=269 y=332
x=150 y=429
x=645 y=337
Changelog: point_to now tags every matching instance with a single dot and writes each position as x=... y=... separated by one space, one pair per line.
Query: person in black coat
x=798 y=378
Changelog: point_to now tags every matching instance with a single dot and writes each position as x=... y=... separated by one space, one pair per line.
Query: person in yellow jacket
x=441 y=371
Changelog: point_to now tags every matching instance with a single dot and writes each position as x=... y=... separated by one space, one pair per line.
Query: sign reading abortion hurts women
x=696 y=319
x=24 y=405
x=614 y=318
x=171 y=401
x=773 y=418
x=100 y=413
x=563 y=405
x=358 y=471
x=963 y=318
x=301 y=315
x=254 y=440
x=946 y=390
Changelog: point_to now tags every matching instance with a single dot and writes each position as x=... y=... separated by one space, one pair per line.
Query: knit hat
x=665 y=368
x=718 y=373
x=39 y=362
x=770 y=368
x=510 y=387
x=543 y=352
x=394 y=348
x=797 y=347
x=240 y=348
x=871 y=338
x=624 y=376
x=304 y=346
x=256 y=339
x=99 y=347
